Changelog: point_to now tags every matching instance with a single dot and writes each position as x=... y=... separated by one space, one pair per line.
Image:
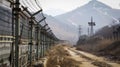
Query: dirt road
x=67 y=56
x=89 y=60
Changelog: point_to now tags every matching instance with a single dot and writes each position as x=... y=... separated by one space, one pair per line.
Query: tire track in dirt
x=84 y=61
x=92 y=59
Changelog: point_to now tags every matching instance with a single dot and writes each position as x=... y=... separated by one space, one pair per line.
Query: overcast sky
x=55 y=7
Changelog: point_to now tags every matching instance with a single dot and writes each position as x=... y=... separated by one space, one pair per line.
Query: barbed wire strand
x=35 y=5
x=26 y=5
x=30 y=5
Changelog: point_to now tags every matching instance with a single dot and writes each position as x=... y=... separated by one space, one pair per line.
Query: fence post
x=41 y=44
x=31 y=39
x=37 y=41
x=17 y=32
x=13 y=35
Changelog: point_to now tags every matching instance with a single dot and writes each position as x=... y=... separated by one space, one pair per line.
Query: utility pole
x=91 y=24
x=88 y=31
x=79 y=33
x=17 y=31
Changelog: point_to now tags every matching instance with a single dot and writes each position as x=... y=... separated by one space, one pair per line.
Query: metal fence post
x=37 y=41
x=41 y=45
x=17 y=32
x=13 y=35
x=39 y=37
x=31 y=39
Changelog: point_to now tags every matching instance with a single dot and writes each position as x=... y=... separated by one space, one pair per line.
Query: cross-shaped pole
x=91 y=24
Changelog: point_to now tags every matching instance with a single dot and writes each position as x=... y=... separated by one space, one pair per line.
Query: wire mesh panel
x=43 y=23
x=5 y=21
x=5 y=33
x=39 y=17
x=24 y=29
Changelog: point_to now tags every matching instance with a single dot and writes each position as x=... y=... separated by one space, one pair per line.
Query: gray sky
x=55 y=7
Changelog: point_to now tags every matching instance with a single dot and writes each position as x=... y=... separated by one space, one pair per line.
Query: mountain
x=65 y=26
x=102 y=14
x=62 y=30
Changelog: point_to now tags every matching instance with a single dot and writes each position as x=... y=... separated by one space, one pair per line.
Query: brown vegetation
x=101 y=64
x=59 y=57
x=108 y=48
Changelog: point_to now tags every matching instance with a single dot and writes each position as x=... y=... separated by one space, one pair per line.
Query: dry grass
x=95 y=47
x=107 y=48
x=101 y=64
x=104 y=43
x=62 y=62
x=59 y=57
x=57 y=50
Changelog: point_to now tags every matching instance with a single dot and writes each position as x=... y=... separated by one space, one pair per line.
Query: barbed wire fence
x=30 y=35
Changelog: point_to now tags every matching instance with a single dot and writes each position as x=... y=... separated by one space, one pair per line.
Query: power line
x=79 y=31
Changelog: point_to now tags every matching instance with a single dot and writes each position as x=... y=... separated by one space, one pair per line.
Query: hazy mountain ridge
x=62 y=30
x=102 y=14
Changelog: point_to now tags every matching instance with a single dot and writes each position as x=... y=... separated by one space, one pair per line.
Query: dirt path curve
x=89 y=59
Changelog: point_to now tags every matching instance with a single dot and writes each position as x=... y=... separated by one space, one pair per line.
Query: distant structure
x=91 y=24
x=93 y=0
x=79 y=34
x=88 y=32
